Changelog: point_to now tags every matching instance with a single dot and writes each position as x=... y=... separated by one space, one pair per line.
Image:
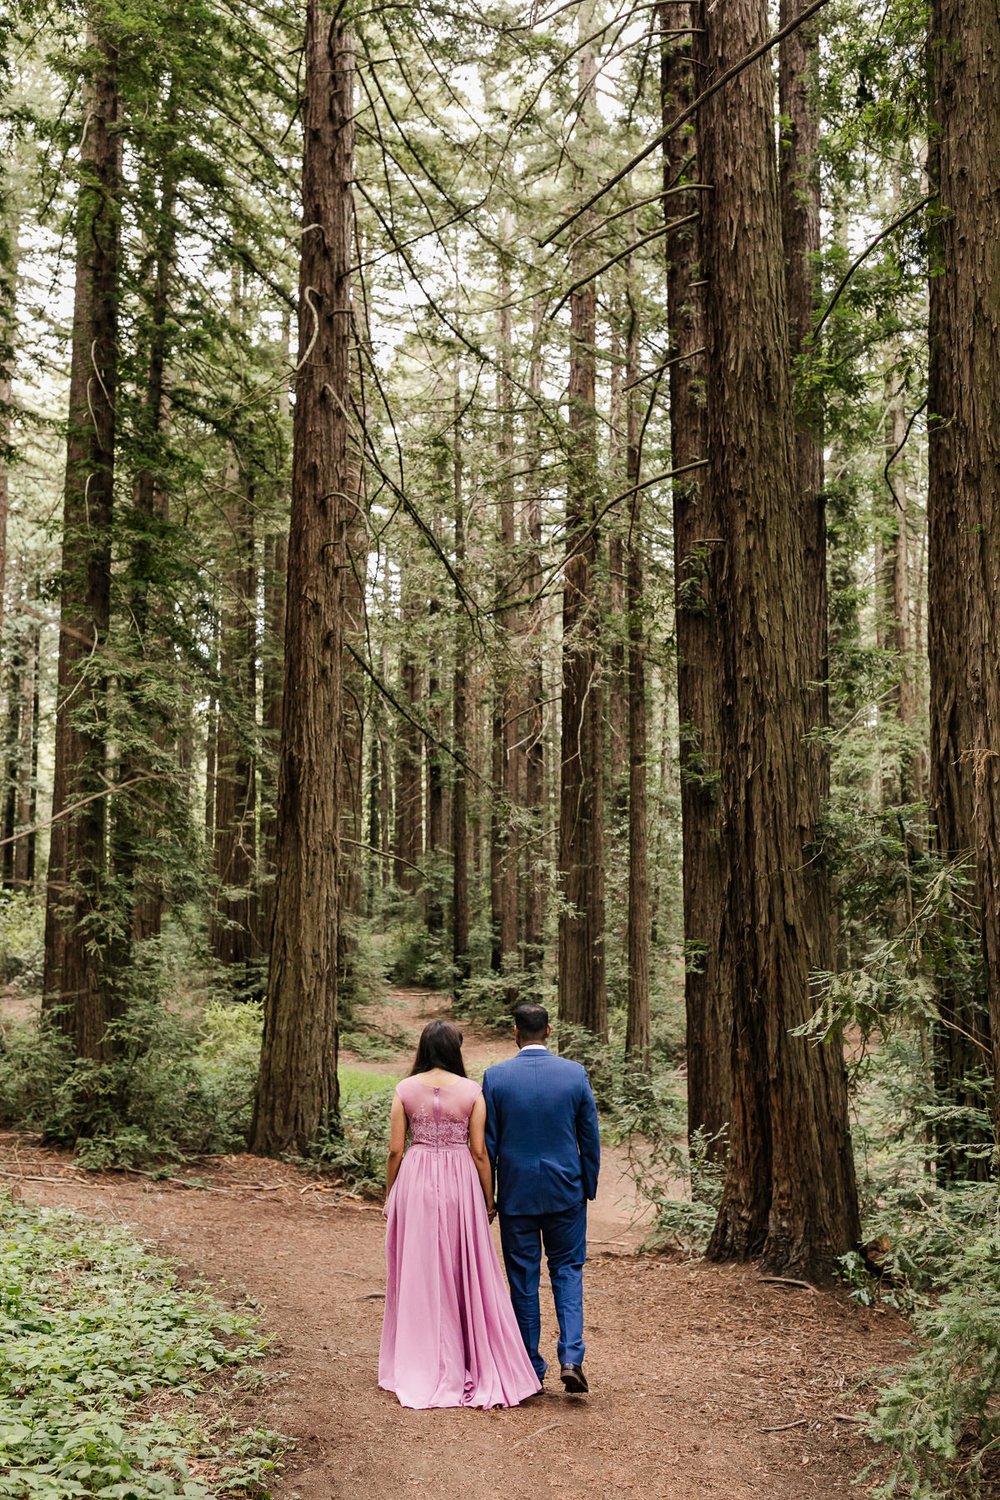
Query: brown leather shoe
x=574 y=1380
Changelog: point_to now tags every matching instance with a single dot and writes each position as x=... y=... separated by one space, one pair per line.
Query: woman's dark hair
x=440 y=1046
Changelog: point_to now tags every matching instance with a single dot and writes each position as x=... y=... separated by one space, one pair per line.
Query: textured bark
x=272 y=689
x=507 y=756
x=460 y=696
x=137 y=817
x=74 y=983
x=533 y=951
x=272 y=683
x=350 y=795
x=583 y=997
x=297 y=1088
x=8 y=320
x=799 y=191
x=964 y=496
x=637 y=1022
x=789 y=1191
x=233 y=923
x=409 y=829
x=699 y=665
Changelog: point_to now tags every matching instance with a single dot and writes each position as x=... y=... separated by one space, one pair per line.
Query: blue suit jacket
x=541 y=1133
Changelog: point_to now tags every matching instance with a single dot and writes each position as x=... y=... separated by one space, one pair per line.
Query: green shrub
x=941 y=1415
x=175 y=1086
x=357 y=1151
x=22 y=939
x=90 y=1326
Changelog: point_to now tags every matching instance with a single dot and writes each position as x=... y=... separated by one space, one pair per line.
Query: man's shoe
x=574 y=1380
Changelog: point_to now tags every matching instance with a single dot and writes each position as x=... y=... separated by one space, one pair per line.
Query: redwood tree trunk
x=74 y=983
x=789 y=1191
x=534 y=727
x=409 y=829
x=699 y=665
x=297 y=1088
x=583 y=997
x=799 y=190
x=460 y=693
x=964 y=493
x=507 y=757
x=637 y=1023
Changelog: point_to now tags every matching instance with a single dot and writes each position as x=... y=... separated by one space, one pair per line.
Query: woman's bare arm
x=397 y=1143
x=477 y=1145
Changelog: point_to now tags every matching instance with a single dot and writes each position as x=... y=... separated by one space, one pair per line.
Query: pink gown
x=449 y=1336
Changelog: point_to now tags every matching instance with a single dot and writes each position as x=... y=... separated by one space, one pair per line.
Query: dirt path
x=689 y=1364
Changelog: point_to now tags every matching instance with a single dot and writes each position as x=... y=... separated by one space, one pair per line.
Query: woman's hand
x=491 y=1211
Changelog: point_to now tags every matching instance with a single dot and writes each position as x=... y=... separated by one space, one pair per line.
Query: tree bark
x=74 y=984
x=533 y=952
x=507 y=757
x=789 y=1191
x=583 y=997
x=297 y=1089
x=699 y=665
x=799 y=193
x=273 y=681
x=964 y=503
x=637 y=1021
x=409 y=829
x=460 y=694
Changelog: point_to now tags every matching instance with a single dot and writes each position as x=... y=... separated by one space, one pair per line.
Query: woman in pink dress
x=449 y=1336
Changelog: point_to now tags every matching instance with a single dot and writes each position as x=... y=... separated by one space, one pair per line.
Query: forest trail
x=690 y=1364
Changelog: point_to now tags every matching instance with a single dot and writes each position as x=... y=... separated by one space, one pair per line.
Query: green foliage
x=357 y=1151
x=941 y=1415
x=91 y=1327
x=416 y=956
x=22 y=939
x=175 y=1085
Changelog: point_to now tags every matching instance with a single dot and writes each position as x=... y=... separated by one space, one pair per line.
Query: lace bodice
x=438 y=1116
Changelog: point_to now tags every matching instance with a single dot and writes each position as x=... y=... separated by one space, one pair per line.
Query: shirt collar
x=534 y=1047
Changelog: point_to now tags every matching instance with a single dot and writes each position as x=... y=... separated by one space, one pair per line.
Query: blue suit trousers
x=564 y=1236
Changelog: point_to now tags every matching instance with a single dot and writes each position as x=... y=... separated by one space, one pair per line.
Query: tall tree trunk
x=233 y=926
x=637 y=1022
x=409 y=829
x=699 y=664
x=74 y=983
x=533 y=953
x=460 y=728
x=799 y=192
x=507 y=758
x=351 y=796
x=964 y=504
x=583 y=996
x=8 y=322
x=273 y=681
x=297 y=1087
x=138 y=815
x=789 y=1191
x=27 y=801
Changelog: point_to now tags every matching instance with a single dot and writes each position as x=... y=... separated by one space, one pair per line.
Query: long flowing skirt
x=449 y=1335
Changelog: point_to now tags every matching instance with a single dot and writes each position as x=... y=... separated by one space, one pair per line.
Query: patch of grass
x=96 y=1333
x=358 y=1083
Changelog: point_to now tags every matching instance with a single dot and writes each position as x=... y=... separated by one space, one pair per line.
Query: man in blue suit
x=542 y=1138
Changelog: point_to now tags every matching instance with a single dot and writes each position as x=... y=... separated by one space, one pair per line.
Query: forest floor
x=706 y=1381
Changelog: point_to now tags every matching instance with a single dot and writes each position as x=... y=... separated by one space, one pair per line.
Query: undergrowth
x=103 y=1352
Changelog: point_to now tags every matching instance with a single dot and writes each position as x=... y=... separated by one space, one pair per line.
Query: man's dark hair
x=531 y=1020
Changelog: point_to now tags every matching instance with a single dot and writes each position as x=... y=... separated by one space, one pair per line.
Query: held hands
x=491 y=1211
